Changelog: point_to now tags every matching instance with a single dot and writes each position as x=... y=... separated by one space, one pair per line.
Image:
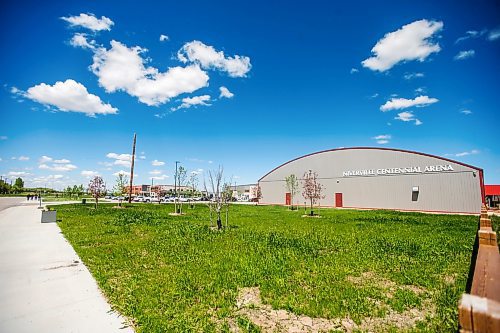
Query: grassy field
x=173 y=273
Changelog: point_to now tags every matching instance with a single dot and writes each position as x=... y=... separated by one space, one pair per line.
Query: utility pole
x=132 y=172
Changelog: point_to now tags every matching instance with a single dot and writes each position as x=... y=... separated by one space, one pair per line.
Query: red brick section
x=479 y=311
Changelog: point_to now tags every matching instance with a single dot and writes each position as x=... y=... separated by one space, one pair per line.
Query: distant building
x=492 y=194
x=381 y=178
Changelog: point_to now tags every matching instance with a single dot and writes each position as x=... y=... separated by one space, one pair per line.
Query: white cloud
x=49 y=178
x=209 y=58
x=382 y=139
x=164 y=38
x=18 y=173
x=80 y=40
x=89 y=21
x=420 y=90
x=403 y=103
x=466 y=153
x=157 y=163
x=45 y=159
x=23 y=158
x=155 y=172
x=69 y=96
x=354 y=70
x=470 y=34
x=3 y=137
x=408 y=116
x=142 y=157
x=58 y=167
x=409 y=76
x=193 y=101
x=462 y=55
x=160 y=177
x=405 y=116
x=89 y=173
x=122 y=69
x=120 y=159
x=224 y=92
x=494 y=34
x=411 y=42
x=466 y=111
x=125 y=173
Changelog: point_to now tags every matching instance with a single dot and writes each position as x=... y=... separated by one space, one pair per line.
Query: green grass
x=168 y=273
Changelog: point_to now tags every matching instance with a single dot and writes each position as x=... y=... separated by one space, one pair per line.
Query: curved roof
x=374 y=148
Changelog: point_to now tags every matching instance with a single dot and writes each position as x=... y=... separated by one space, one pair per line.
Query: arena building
x=381 y=178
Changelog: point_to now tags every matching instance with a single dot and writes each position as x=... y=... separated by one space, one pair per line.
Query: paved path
x=44 y=287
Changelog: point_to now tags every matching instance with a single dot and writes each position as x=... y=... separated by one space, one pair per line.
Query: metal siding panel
x=457 y=191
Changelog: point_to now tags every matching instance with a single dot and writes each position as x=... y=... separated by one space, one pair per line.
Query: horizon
x=245 y=86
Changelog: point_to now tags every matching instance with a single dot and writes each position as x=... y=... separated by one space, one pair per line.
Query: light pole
x=175 y=185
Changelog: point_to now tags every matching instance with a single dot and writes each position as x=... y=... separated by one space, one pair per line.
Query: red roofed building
x=492 y=194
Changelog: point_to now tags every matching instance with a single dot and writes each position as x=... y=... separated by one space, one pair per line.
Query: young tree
x=19 y=183
x=292 y=186
x=80 y=190
x=216 y=188
x=120 y=186
x=256 y=193
x=312 y=188
x=193 y=181
x=97 y=188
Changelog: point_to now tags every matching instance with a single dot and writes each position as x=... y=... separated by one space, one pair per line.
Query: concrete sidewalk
x=44 y=287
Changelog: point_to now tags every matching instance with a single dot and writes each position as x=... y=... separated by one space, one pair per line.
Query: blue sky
x=246 y=85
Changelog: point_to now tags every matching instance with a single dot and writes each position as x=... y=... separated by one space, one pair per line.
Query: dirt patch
x=249 y=305
x=390 y=286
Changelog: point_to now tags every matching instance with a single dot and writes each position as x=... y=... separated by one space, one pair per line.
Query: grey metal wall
x=458 y=190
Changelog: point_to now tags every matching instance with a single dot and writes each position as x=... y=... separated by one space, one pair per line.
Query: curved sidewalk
x=44 y=286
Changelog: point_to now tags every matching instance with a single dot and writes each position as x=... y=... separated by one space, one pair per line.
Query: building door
x=288 y=198
x=338 y=200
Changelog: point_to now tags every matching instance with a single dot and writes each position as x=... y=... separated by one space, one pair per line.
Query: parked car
x=139 y=198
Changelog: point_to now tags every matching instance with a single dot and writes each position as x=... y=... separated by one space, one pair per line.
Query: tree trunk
x=219 y=221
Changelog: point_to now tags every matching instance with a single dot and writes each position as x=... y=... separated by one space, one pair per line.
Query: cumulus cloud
x=164 y=38
x=89 y=173
x=462 y=55
x=354 y=70
x=209 y=58
x=382 y=139
x=403 y=103
x=23 y=158
x=188 y=102
x=160 y=177
x=224 y=92
x=62 y=161
x=466 y=111
x=411 y=42
x=155 y=172
x=407 y=116
x=89 y=21
x=120 y=159
x=123 y=69
x=69 y=96
x=410 y=76
x=80 y=40
x=157 y=163
x=45 y=159
x=466 y=153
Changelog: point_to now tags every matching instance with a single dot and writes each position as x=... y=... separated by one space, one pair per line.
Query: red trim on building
x=491 y=190
x=377 y=148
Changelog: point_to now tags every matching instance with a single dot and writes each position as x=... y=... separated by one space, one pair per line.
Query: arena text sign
x=394 y=171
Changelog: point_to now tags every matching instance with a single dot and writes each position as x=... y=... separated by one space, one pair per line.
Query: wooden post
x=132 y=172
